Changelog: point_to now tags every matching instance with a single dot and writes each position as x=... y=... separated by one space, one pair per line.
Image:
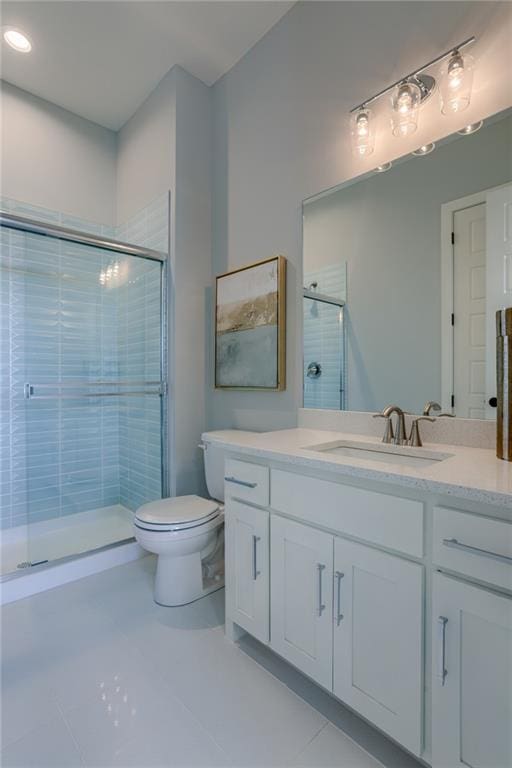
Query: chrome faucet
x=398 y=436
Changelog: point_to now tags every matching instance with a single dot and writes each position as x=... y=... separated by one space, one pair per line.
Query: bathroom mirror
x=393 y=310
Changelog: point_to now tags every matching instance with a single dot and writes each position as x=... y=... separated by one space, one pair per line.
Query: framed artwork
x=250 y=327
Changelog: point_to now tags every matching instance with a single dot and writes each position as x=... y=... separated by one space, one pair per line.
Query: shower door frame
x=33 y=226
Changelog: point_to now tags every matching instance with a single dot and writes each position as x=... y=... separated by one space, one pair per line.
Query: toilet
x=187 y=534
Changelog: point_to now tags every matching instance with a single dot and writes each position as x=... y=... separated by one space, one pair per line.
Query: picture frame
x=250 y=327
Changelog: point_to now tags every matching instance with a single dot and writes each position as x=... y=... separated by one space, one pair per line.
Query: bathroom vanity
x=387 y=581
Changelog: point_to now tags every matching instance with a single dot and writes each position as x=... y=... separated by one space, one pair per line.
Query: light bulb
x=362 y=124
x=456 y=83
x=455 y=70
x=405 y=102
x=363 y=136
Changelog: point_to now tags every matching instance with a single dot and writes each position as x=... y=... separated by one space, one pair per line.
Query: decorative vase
x=504 y=381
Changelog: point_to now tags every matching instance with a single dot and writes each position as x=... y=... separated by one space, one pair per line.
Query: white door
x=247 y=568
x=301 y=597
x=469 y=308
x=378 y=638
x=472 y=676
x=499 y=275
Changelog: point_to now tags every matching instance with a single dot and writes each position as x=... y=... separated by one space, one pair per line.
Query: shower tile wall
x=58 y=322
x=323 y=338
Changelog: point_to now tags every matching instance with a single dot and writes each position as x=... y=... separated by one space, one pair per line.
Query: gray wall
x=55 y=159
x=281 y=135
x=146 y=156
x=166 y=146
x=388 y=230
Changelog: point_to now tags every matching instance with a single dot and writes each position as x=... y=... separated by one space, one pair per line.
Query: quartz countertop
x=468 y=473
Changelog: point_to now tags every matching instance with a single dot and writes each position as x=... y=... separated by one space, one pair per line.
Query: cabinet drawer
x=475 y=546
x=249 y=482
x=389 y=521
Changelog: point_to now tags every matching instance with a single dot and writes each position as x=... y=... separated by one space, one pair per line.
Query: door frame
x=448 y=211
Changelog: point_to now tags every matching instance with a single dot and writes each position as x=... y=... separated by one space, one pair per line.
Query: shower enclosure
x=83 y=390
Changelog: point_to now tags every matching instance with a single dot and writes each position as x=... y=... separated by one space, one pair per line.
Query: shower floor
x=64 y=536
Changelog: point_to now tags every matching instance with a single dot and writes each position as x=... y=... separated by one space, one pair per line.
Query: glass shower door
x=83 y=395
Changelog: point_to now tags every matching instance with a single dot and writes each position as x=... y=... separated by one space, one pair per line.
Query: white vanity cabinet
x=378 y=639
x=347 y=584
x=471 y=676
x=301 y=562
x=247 y=567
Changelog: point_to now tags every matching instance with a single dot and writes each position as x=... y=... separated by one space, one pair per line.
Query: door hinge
x=453 y=238
x=453 y=319
x=453 y=401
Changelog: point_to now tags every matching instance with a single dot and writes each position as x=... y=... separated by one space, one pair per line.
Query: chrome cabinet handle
x=321 y=606
x=454 y=544
x=231 y=479
x=442 y=621
x=255 y=572
x=339 y=616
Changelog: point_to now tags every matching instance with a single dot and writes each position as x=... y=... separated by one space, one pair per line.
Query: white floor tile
x=50 y=746
x=235 y=700
x=134 y=709
x=331 y=748
x=95 y=671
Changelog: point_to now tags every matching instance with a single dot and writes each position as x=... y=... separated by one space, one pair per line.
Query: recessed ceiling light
x=17 y=40
x=382 y=168
x=472 y=128
x=426 y=149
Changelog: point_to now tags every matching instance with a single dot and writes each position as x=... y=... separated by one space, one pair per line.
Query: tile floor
x=96 y=674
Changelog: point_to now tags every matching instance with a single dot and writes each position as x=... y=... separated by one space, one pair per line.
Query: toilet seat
x=176 y=514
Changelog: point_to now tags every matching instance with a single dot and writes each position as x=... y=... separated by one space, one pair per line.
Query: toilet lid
x=177 y=510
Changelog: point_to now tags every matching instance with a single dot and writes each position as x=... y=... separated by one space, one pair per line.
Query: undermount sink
x=388 y=454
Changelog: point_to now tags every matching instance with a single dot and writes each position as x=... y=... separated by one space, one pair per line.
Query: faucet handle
x=415 y=437
x=388 y=432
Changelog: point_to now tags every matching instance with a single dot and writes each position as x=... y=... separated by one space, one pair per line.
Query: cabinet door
x=247 y=568
x=378 y=634
x=301 y=597
x=471 y=676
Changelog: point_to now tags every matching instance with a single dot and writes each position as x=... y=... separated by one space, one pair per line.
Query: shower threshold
x=88 y=543
x=26 y=547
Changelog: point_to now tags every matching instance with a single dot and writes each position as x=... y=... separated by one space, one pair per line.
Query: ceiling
x=100 y=60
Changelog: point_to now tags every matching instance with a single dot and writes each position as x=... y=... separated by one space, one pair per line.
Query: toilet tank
x=214 y=462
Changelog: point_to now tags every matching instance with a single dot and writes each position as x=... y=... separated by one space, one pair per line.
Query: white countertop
x=469 y=473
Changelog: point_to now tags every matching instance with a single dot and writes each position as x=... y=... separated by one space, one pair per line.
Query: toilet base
x=179 y=580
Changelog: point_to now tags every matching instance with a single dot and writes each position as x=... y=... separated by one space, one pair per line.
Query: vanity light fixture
x=472 y=128
x=411 y=91
x=425 y=149
x=17 y=40
x=363 y=135
x=456 y=83
x=383 y=168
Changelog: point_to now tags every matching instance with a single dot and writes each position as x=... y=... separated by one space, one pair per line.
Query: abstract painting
x=250 y=327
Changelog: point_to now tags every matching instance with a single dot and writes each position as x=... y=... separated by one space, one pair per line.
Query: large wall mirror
x=394 y=311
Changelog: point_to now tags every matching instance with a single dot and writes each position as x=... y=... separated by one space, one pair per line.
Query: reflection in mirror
x=325 y=293
x=382 y=280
